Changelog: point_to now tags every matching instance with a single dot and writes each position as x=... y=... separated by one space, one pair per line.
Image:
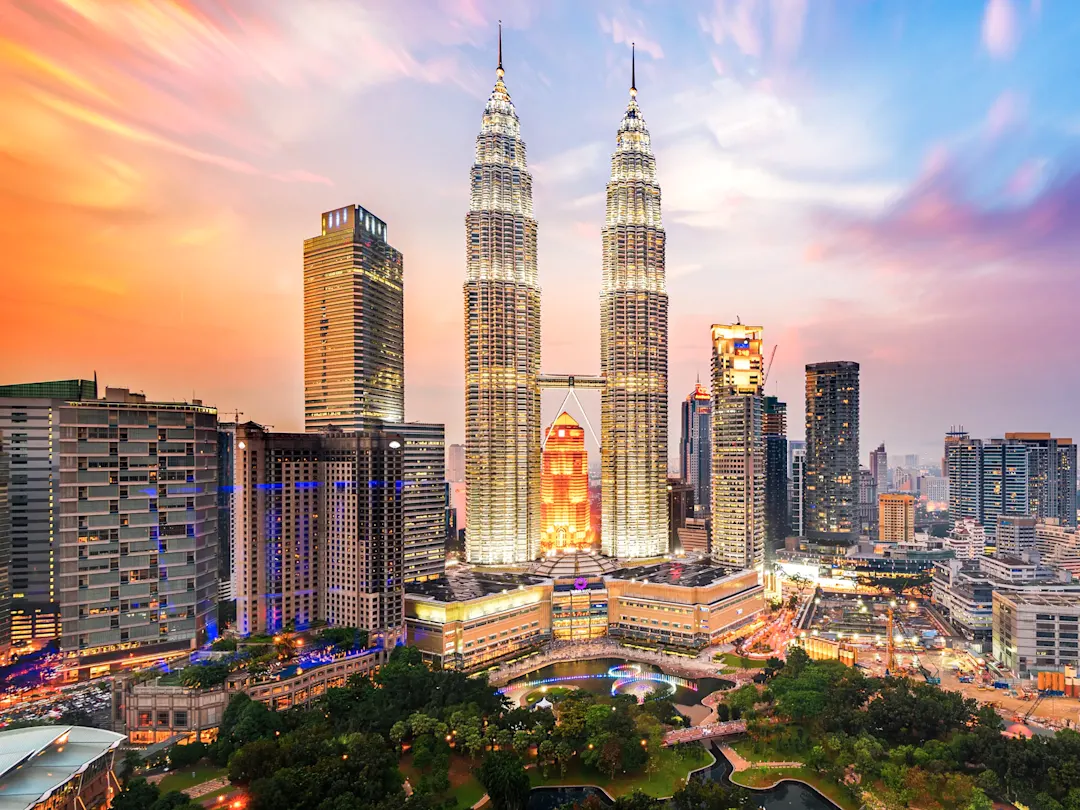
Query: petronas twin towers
x=502 y=347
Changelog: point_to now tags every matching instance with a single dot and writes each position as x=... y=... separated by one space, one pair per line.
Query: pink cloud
x=1000 y=30
x=623 y=34
x=739 y=21
x=1005 y=113
x=787 y=26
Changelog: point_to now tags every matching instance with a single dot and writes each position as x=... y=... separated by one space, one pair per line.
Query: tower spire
x=633 y=70
x=499 y=70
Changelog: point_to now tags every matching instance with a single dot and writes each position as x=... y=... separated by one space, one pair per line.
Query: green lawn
x=183 y=779
x=463 y=784
x=739 y=662
x=212 y=797
x=672 y=769
x=765 y=752
x=768 y=777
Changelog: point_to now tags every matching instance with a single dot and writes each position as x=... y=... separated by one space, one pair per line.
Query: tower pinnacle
x=633 y=71
x=499 y=70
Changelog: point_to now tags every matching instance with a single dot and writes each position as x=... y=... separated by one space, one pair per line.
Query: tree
x=186 y=755
x=204 y=676
x=708 y=795
x=637 y=801
x=564 y=752
x=129 y=765
x=255 y=760
x=503 y=776
x=138 y=794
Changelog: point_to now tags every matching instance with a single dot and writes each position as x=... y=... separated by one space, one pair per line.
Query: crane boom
x=768 y=369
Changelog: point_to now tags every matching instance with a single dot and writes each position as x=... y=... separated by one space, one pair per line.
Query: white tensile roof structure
x=36 y=761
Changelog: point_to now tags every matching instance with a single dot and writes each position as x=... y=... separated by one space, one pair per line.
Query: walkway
x=705 y=732
x=740 y=763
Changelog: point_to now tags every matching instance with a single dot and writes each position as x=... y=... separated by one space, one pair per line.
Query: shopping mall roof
x=694 y=574
x=463 y=584
x=36 y=761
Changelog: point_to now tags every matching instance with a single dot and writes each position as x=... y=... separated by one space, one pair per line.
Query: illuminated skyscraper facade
x=832 y=453
x=354 y=324
x=565 y=513
x=695 y=456
x=774 y=429
x=502 y=344
x=738 y=447
x=633 y=350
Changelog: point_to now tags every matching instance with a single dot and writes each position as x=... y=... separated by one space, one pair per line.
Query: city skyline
x=241 y=177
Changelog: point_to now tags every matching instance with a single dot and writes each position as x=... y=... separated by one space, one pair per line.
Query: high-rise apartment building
x=695 y=456
x=832 y=452
x=566 y=518
x=911 y=461
x=277 y=486
x=362 y=531
x=354 y=356
x=798 y=491
x=5 y=556
x=30 y=424
x=320 y=530
x=879 y=468
x=455 y=463
x=868 y=503
x=896 y=517
x=774 y=428
x=738 y=474
x=1022 y=474
x=634 y=349
x=423 y=498
x=502 y=344
x=137 y=542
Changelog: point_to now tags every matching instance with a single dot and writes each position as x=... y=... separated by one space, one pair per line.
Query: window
x=180 y=719
x=163 y=718
x=144 y=718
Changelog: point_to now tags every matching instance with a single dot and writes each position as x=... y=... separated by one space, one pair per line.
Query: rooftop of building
x=1036 y=599
x=36 y=761
x=461 y=584
x=52 y=389
x=688 y=574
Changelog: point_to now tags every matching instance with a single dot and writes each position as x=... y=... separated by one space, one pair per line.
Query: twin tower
x=502 y=347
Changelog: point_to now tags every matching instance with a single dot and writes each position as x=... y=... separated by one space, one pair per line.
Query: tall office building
x=633 y=349
x=277 y=486
x=455 y=463
x=896 y=517
x=566 y=518
x=5 y=556
x=680 y=510
x=774 y=428
x=226 y=526
x=362 y=573
x=832 y=452
x=30 y=424
x=695 y=456
x=738 y=447
x=798 y=491
x=954 y=436
x=1015 y=535
x=354 y=328
x=423 y=498
x=911 y=461
x=137 y=542
x=502 y=344
x=879 y=468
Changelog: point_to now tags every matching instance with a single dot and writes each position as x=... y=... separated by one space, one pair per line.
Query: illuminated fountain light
x=629 y=679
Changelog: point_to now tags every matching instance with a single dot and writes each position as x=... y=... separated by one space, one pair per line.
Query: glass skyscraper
x=633 y=350
x=354 y=324
x=502 y=344
x=695 y=456
x=774 y=428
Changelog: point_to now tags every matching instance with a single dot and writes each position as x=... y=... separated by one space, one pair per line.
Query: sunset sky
x=896 y=183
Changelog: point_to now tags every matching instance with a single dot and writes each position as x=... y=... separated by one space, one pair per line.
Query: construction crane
x=768 y=368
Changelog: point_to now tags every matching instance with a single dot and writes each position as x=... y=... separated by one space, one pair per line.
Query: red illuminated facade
x=565 y=512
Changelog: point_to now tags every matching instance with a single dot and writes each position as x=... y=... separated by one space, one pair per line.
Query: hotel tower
x=633 y=350
x=502 y=344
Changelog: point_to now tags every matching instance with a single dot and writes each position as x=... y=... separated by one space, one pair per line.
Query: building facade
x=278 y=484
x=798 y=491
x=455 y=463
x=738 y=475
x=695 y=456
x=1015 y=535
x=777 y=508
x=896 y=517
x=226 y=525
x=566 y=517
x=879 y=468
x=634 y=350
x=5 y=555
x=868 y=503
x=832 y=452
x=30 y=425
x=680 y=509
x=423 y=498
x=1036 y=632
x=354 y=355
x=502 y=344
x=137 y=544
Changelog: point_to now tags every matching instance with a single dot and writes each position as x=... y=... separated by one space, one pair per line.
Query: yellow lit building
x=472 y=619
x=564 y=485
x=896 y=517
